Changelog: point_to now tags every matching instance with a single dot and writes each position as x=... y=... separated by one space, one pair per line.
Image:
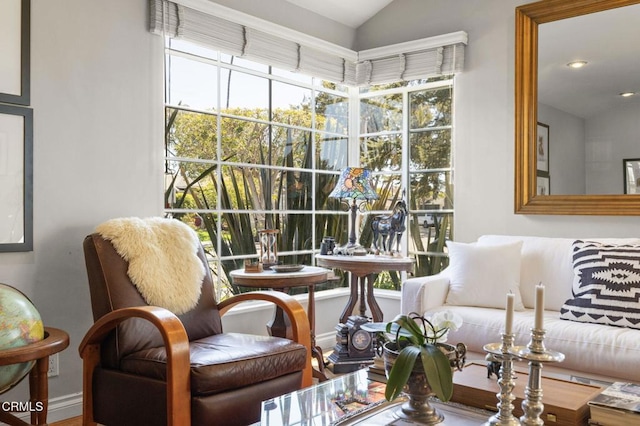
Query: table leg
x=316 y=351
x=363 y=303
x=280 y=325
x=353 y=298
x=376 y=312
x=39 y=390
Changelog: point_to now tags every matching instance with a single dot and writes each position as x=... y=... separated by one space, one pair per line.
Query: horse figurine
x=389 y=228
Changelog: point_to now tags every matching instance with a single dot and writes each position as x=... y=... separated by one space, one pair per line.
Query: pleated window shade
x=179 y=21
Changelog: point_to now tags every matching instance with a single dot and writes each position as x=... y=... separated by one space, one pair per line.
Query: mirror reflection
x=588 y=116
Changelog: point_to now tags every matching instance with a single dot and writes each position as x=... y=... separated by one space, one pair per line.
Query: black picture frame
x=10 y=143
x=23 y=96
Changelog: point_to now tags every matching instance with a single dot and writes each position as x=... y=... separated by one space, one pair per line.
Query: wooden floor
x=75 y=421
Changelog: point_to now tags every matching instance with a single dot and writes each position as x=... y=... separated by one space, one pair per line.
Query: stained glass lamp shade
x=355 y=184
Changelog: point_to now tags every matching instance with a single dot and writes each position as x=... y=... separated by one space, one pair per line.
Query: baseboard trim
x=61 y=408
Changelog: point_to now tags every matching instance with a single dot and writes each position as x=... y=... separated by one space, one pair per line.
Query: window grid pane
x=271 y=152
x=255 y=162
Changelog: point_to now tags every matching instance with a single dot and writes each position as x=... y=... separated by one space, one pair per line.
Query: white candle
x=508 y=323
x=539 y=322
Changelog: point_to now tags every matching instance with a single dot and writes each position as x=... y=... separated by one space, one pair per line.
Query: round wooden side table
x=363 y=270
x=55 y=340
x=308 y=277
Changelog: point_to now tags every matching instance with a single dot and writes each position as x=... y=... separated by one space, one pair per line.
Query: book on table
x=619 y=404
x=376 y=370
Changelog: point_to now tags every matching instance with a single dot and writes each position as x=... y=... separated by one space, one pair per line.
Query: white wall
x=97 y=96
x=611 y=137
x=97 y=93
x=566 y=150
x=289 y=15
x=586 y=155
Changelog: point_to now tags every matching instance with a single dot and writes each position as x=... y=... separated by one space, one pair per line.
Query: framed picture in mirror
x=542 y=148
x=631 y=170
x=543 y=185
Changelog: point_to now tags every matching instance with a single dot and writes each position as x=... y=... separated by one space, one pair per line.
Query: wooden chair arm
x=178 y=361
x=294 y=310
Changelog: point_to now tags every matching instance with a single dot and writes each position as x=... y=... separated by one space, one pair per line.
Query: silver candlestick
x=500 y=352
x=536 y=353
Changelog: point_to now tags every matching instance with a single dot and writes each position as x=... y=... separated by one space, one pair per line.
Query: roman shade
x=215 y=26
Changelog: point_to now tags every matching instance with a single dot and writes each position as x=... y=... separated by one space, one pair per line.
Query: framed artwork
x=631 y=170
x=543 y=185
x=542 y=148
x=16 y=178
x=15 y=66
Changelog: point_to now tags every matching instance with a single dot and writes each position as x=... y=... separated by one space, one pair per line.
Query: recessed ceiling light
x=627 y=94
x=577 y=64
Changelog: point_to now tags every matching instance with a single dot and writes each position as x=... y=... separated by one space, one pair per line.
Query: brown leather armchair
x=144 y=365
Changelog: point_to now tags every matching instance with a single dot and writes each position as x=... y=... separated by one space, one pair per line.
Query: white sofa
x=591 y=350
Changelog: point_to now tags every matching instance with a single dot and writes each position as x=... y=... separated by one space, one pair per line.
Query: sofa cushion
x=606 y=287
x=547 y=260
x=544 y=260
x=591 y=348
x=481 y=275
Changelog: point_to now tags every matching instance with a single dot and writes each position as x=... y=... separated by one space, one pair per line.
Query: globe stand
x=54 y=341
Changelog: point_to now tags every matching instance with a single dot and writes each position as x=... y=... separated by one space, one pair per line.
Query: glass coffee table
x=353 y=399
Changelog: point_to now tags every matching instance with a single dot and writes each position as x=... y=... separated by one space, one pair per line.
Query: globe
x=20 y=325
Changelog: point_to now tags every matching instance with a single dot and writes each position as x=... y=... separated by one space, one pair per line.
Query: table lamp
x=354 y=183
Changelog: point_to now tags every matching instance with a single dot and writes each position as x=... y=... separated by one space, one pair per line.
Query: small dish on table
x=287 y=268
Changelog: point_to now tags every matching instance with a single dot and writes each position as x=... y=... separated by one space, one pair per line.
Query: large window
x=405 y=138
x=251 y=147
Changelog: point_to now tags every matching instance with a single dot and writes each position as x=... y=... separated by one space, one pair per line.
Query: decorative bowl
x=287 y=268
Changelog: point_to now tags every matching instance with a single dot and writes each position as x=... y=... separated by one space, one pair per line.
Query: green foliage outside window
x=271 y=164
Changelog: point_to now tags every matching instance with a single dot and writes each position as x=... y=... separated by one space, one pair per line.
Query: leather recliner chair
x=143 y=365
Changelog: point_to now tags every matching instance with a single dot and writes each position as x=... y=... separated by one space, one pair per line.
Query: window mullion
x=404 y=167
x=354 y=127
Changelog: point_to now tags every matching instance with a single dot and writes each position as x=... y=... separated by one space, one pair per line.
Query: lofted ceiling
x=351 y=13
x=608 y=42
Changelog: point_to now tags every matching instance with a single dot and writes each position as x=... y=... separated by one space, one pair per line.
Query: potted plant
x=417 y=359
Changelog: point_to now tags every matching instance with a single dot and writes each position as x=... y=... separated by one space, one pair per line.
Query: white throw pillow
x=482 y=275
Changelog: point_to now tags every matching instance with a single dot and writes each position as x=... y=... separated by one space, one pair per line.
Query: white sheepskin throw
x=163 y=259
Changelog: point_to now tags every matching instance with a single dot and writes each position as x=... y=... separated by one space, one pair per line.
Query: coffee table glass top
x=352 y=399
x=325 y=403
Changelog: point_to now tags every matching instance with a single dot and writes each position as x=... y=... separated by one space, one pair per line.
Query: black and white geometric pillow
x=607 y=285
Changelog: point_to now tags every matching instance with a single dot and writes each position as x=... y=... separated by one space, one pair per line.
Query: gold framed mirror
x=527 y=200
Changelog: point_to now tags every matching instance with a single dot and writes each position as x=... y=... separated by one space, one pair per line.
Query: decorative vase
x=417 y=389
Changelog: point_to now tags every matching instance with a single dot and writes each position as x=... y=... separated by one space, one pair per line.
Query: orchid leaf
x=438 y=370
x=401 y=371
x=408 y=324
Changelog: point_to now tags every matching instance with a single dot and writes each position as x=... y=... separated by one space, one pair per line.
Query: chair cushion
x=225 y=361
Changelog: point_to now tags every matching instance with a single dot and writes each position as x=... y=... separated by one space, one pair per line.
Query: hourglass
x=268 y=247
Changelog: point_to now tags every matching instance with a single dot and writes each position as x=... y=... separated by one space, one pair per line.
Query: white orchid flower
x=446 y=319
